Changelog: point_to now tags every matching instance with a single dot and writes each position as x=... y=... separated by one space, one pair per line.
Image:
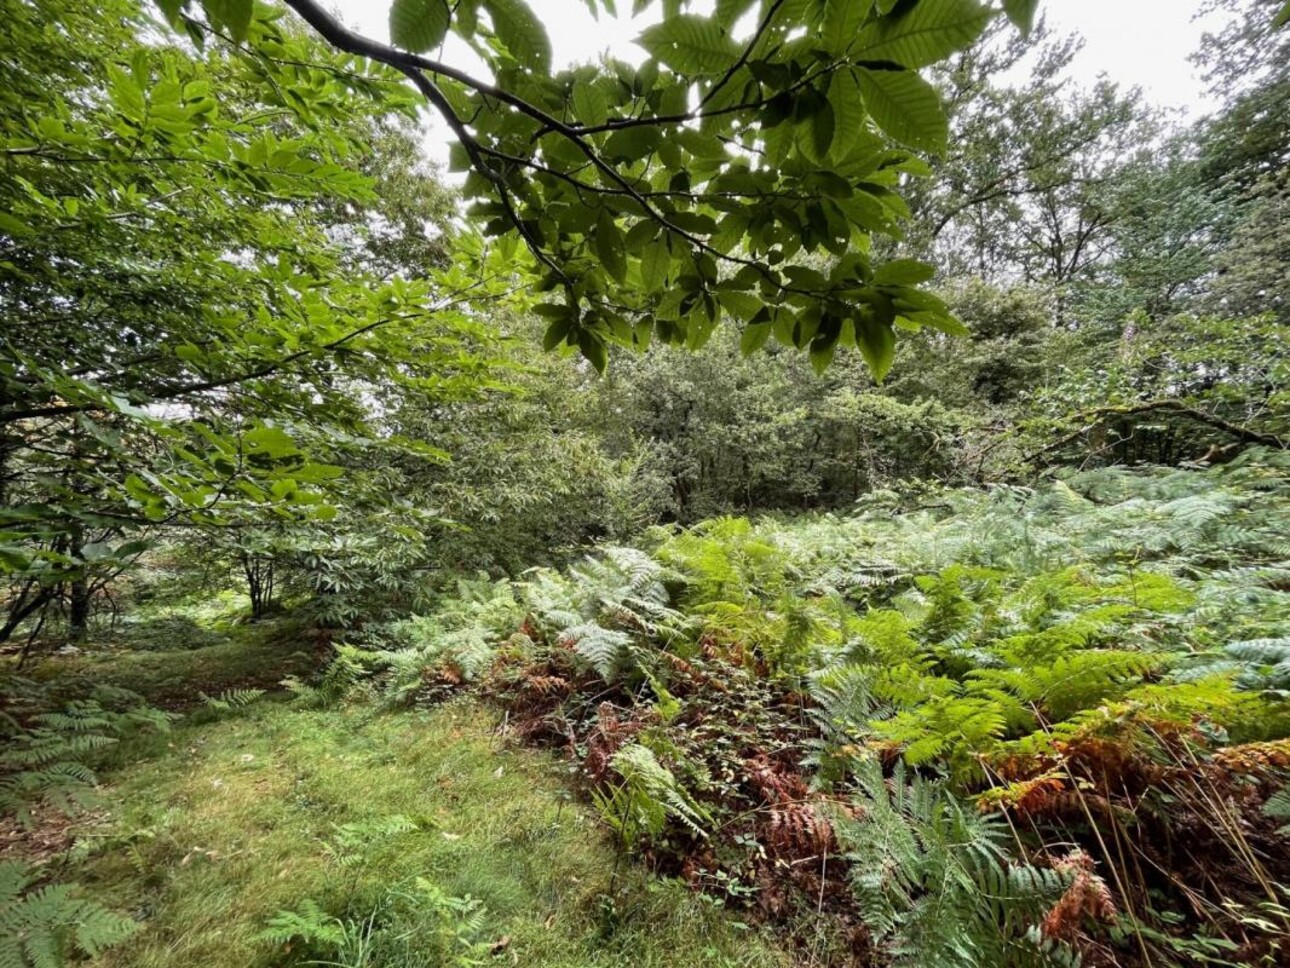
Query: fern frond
x=231 y=699
x=647 y=797
x=41 y=927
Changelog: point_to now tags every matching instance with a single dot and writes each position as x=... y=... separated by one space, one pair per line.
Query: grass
x=249 y=655
x=233 y=821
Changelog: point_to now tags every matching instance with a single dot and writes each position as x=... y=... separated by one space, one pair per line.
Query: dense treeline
x=927 y=410
x=1121 y=284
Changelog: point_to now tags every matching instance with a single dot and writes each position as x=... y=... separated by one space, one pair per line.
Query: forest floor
x=1053 y=718
x=433 y=835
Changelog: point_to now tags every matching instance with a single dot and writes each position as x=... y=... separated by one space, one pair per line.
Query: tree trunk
x=78 y=613
x=22 y=606
x=259 y=584
x=78 y=610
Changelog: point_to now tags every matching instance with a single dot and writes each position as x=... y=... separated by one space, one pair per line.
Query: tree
x=1245 y=153
x=655 y=200
x=185 y=298
x=1247 y=64
x=1025 y=192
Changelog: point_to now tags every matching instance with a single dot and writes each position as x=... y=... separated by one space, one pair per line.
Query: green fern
x=349 y=842
x=395 y=660
x=48 y=760
x=446 y=928
x=933 y=879
x=608 y=651
x=231 y=699
x=1264 y=663
x=317 y=929
x=41 y=926
x=1278 y=808
x=647 y=796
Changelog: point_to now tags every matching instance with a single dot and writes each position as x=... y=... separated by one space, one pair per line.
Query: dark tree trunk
x=23 y=606
x=78 y=611
x=259 y=584
x=78 y=605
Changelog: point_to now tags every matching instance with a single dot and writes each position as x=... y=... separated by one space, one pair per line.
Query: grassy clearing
x=246 y=656
x=235 y=821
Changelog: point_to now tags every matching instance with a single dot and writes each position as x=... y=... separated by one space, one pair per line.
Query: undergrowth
x=280 y=836
x=1011 y=726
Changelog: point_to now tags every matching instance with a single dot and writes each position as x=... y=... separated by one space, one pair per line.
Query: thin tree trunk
x=78 y=614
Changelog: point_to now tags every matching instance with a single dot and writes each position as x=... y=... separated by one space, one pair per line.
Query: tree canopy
x=654 y=200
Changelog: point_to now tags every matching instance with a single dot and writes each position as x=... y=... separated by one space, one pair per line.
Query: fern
x=40 y=926
x=396 y=660
x=1264 y=663
x=447 y=929
x=612 y=604
x=647 y=796
x=608 y=651
x=933 y=880
x=1278 y=808
x=48 y=760
x=231 y=699
x=350 y=841
x=314 y=926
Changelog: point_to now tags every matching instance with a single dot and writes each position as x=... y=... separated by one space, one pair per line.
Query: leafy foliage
x=611 y=602
x=449 y=928
x=871 y=697
x=40 y=926
x=222 y=256
x=47 y=759
x=934 y=881
x=617 y=184
x=647 y=796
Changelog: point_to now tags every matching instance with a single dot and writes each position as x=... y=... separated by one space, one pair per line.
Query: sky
x=1142 y=43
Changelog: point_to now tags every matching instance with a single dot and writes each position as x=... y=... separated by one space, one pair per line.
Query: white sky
x=1133 y=42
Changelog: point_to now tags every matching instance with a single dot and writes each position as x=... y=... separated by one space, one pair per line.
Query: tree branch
x=1245 y=435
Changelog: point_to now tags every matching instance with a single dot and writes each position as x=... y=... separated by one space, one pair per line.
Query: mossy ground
x=221 y=825
x=243 y=656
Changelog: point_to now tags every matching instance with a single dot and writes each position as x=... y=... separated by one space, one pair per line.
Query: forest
x=814 y=493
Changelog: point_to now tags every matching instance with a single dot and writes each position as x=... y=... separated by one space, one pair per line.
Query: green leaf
x=822 y=351
x=906 y=107
x=12 y=226
x=928 y=33
x=170 y=9
x=632 y=144
x=232 y=16
x=127 y=94
x=270 y=442
x=556 y=333
x=1281 y=19
x=848 y=113
x=728 y=11
x=842 y=21
x=611 y=246
x=822 y=130
x=1022 y=13
x=12 y=559
x=590 y=104
x=138 y=489
x=903 y=272
x=419 y=25
x=690 y=44
x=877 y=344
x=519 y=28
x=656 y=259
x=642 y=333
x=96 y=551
x=740 y=305
x=593 y=348
x=754 y=337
